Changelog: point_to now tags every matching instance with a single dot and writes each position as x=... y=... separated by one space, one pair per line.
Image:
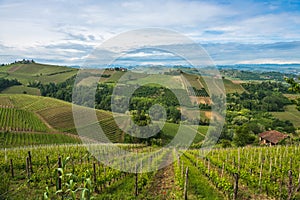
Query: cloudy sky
x=66 y=32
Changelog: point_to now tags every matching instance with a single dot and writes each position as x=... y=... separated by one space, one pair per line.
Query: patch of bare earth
x=237 y=81
x=202 y=100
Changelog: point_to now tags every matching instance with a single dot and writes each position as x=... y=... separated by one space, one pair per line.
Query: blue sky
x=65 y=32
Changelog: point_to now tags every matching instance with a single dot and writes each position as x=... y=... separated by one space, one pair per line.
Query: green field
x=170 y=130
x=21 y=89
x=163 y=80
x=291 y=113
x=26 y=73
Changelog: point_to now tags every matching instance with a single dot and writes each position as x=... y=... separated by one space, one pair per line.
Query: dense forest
x=252 y=75
x=5 y=83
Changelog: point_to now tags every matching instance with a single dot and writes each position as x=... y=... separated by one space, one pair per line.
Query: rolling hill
x=26 y=73
x=28 y=114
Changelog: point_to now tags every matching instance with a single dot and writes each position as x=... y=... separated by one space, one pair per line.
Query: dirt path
x=14 y=68
x=44 y=121
x=163 y=181
x=198 y=132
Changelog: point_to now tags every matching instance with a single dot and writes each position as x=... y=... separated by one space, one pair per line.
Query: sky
x=232 y=32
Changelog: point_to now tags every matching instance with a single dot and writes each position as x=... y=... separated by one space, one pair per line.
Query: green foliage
x=243 y=136
x=295 y=86
x=265 y=96
x=71 y=185
x=4 y=185
x=248 y=75
x=6 y=83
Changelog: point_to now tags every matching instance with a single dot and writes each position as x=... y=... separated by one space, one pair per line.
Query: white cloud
x=30 y=28
x=268 y=61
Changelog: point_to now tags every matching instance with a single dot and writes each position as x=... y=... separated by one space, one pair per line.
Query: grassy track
x=199 y=186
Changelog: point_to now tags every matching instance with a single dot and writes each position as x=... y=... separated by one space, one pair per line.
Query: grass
x=163 y=80
x=290 y=113
x=170 y=130
x=21 y=89
x=292 y=96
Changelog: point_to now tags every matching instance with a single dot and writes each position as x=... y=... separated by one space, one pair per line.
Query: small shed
x=272 y=137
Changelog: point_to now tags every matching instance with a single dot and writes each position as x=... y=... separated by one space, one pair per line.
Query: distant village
x=24 y=61
x=122 y=69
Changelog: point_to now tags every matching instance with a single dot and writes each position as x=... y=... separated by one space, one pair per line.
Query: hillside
x=31 y=72
x=26 y=73
x=54 y=116
x=20 y=113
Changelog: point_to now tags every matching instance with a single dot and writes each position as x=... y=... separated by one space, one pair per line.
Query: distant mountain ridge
x=283 y=68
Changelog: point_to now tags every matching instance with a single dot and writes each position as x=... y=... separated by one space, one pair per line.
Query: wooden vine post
x=48 y=163
x=290 y=183
x=30 y=162
x=260 y=176
x=236 y=186
x=59 y=173
x=136 y=181
x=27 y=168
x=186 y=183
x=12 y=168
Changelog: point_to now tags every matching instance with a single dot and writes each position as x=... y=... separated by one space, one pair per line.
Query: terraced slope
x=50 y=115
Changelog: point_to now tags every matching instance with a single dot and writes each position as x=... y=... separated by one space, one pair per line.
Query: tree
x=295 y=86
x=243 y=136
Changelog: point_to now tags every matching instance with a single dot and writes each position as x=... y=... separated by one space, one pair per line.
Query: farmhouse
x=271 y=137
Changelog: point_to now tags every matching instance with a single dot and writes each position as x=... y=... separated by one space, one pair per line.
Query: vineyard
x=20 y=120
x=26 y=139
x=44 y=114
x=70 y=171
x=21 y=113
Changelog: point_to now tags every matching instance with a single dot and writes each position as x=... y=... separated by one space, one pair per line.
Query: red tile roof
x=273 y=136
